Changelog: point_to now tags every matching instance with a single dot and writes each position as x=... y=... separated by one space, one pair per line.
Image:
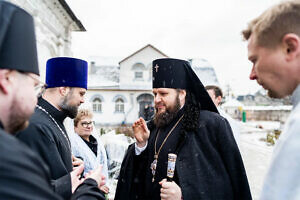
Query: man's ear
x=63 y=91
x=182 y=94
x=291 y=45
x=5 y=80
x=219 y=100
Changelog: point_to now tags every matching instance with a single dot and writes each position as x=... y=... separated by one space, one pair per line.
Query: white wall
x=108 y=116
x=53 y=29
x=127 y=79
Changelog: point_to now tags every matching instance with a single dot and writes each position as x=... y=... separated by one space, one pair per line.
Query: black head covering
x=178 y=74
x=17 y=39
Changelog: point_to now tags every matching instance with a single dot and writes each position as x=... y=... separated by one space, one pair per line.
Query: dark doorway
x=146 y=109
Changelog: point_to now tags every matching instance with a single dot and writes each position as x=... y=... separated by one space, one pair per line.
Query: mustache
x=159 y=104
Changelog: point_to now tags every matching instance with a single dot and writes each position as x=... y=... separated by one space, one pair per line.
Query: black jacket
x=23 y=175
x=46 y=139
x=208 y=166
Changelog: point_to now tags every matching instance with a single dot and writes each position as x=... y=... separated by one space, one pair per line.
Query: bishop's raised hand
x=141 y=132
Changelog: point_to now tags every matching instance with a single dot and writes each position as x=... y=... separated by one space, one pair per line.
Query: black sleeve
x=37 y=138
x=22 y=173
x=130 y=181
x=88 y=190
x=232 y=160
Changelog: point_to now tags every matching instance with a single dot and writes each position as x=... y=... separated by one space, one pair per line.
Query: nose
x=82 y=100
x=253 y=75
x=157 y=99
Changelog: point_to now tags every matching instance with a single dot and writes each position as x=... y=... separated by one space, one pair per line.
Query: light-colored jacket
x=282 y=180
x=91 y=161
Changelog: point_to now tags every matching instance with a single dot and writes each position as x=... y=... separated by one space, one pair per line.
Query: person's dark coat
x=23 y=175
x=208 y=166
x=46 y=139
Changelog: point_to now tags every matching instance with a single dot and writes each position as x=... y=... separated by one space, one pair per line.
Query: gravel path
x=256 y=155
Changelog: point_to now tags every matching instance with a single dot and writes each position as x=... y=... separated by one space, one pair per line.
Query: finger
x=79 y=169
x=76 y=163
x=81 y=181
x=163 y=196
x=162 y=181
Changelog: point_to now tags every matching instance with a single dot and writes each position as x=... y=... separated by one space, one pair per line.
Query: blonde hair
x=81 y=114
x=273 y=24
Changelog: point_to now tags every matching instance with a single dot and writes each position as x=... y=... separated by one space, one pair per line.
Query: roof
x=72 y=15
x=264 y=108
x=232 y=103
x=205 y=71
x=148 y=45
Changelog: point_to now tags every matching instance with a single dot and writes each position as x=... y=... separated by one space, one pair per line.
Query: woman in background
x=88 y=146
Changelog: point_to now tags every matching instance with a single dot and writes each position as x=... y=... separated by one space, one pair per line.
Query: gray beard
x=70 y=111
x=163 y=119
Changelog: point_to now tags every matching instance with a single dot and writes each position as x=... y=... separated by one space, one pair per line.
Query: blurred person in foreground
x=87 y=145
x=216 y=95
x=66 y=80
x=274 y=50
x=186 y=123
x=23 y=174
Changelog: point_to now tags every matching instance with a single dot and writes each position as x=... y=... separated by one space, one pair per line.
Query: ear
x=182 y=94
x=63 y=91
x=291 y=44
x=219 y=100
x=5 y=80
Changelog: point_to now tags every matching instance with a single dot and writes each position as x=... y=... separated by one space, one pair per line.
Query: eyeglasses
x=87 y=124
x=40 y=87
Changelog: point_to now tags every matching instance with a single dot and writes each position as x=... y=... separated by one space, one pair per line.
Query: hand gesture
x=75 y=177
x=141 y=132
x=170 y=190
x=104 y=189
x=76 y=161
x=97 y=175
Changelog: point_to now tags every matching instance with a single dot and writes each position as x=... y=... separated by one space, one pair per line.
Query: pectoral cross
x=153 y=166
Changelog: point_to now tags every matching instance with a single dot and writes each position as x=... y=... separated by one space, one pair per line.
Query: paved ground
x=257 y=156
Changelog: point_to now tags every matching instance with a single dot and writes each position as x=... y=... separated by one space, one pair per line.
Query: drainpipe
x=131 y=108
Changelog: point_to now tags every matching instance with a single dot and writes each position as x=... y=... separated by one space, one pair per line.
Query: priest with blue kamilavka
x=66 y=80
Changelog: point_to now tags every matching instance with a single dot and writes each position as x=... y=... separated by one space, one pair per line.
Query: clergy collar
x=54 y=112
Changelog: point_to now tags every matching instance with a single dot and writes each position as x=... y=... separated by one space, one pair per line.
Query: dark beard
x=69 y=110
x=163 y=119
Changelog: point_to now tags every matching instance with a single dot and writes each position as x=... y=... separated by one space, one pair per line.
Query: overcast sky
x=179 y=28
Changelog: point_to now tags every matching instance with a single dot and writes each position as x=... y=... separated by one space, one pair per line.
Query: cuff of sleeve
x=90 y=181
x=139 y=150
x=63 y=186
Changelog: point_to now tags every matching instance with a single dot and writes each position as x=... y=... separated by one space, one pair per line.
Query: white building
x=119 y=92
x=54 y=22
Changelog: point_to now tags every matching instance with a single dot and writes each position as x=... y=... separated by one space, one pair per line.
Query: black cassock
x=23 y=175
x=209 y=165
x=45 y=138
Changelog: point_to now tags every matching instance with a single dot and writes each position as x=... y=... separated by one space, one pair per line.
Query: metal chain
x=157 y=153
x=63 y=133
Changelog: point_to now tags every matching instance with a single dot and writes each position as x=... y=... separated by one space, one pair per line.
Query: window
x=97 y=105
x=119 y=106
x=138 y=75
x=138 y=70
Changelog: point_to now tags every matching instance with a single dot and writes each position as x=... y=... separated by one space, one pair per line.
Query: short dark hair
x=218 y=92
